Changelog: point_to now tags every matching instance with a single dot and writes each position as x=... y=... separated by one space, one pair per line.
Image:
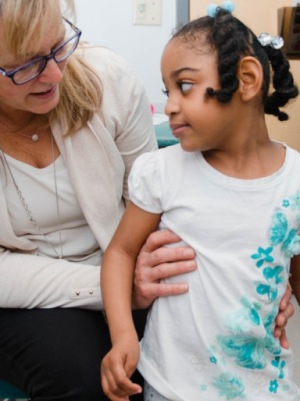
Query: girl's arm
x=117 y=283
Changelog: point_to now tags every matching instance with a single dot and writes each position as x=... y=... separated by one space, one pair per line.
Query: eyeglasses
x=34 y=68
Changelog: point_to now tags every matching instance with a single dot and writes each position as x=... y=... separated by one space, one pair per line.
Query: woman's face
x=40 y=95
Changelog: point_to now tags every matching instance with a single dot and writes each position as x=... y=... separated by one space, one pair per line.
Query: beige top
x=98 y=159
x=61 y=228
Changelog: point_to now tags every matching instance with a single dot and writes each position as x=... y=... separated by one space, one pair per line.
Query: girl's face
x=40 y=95
x=198 y=121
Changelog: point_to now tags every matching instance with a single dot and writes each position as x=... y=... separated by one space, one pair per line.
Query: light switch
x=147 y=12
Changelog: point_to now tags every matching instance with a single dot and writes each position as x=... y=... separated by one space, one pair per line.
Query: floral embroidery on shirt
x=273 y=386
x=285 y=203
x=263 y=255
x=245 y=343
x=277 y=363
x=249 y=351
x=281 y=234
x=229 y=386
x=272 y=277
x=295 y=201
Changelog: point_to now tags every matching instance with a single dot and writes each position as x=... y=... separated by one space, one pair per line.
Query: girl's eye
x=165 y=92
x=185 y=86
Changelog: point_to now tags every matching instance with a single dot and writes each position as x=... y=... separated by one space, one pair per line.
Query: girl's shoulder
x=168 y=155
x=292 y=155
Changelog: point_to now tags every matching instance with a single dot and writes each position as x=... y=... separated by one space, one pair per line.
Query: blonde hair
x=27 y=21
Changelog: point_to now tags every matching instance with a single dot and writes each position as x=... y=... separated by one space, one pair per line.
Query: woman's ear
x=250 y=75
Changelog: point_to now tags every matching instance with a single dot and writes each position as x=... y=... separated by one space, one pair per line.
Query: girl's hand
x=117 y=367
x=155 y=262
x=286 y=310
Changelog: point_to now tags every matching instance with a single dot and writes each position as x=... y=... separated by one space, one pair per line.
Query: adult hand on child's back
x=286 y=310
x=156 y=262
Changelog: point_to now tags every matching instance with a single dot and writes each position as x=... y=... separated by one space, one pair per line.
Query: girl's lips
x=178 y=129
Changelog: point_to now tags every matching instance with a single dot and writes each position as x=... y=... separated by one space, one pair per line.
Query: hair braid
x=283 y=83
x=225 y=39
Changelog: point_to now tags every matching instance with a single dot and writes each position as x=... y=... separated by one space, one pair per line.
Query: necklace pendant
x=35 y=137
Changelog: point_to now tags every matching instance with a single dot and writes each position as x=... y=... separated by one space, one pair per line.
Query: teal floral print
x=229 y=386
x=213 y=360
x=248 y=350
x=277 y=363
x=263 y=255
x=273 y=278
x=270 y=318
x=286 y=203
x=273 y=386
x=249 y=339
x=247 y=344
x=295 y=201
x=280 y=234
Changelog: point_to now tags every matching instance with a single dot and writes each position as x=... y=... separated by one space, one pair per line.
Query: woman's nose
x=53 y=72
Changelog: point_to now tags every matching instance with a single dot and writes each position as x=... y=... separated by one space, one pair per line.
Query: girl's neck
x=250 y=163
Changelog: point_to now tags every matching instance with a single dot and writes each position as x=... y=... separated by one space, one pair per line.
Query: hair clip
x=266 y=39
x=212 y=9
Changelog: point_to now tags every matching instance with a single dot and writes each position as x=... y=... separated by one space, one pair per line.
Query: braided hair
x=232 y=40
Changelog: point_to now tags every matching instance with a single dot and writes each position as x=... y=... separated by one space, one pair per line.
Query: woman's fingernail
x=191 y=264
x=188 y=252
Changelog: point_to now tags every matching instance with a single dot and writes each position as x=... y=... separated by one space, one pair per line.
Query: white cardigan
x=98 y=159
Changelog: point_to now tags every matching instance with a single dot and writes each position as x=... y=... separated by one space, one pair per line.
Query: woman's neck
x=16 y=121
x=20 y=121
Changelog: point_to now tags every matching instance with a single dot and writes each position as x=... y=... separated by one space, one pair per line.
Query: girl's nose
x=172 y=105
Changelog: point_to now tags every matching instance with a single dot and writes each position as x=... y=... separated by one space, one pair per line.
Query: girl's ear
x=250 y=75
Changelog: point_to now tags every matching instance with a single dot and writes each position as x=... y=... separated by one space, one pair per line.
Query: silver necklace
x=32 y=219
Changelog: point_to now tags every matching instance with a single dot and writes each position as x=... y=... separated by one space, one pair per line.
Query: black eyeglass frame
x=10 y=74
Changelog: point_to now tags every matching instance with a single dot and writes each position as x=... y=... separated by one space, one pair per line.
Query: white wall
x=109 y=23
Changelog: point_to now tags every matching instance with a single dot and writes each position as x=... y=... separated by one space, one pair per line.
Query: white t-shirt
x=216 y=342
x=65 y=224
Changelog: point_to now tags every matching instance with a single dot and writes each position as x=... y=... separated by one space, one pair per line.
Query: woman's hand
x=155 y=263
x=286 y=310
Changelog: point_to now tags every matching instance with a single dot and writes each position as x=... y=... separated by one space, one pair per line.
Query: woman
x=71 y=125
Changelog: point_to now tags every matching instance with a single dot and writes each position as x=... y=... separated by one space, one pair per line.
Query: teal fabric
x=164 y=135
x=9 y=391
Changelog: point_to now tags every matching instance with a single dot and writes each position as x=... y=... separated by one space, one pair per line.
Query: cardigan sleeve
x=125 y=108
x=31 y=281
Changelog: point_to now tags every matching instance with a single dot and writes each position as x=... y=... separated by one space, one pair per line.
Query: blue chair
x=8 y=392
x=164 y=135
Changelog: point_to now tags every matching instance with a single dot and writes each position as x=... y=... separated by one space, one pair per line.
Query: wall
x=109 y=23
x=263 y=17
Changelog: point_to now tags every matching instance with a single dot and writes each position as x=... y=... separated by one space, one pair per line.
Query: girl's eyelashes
x=165 y=92
x=183 y=87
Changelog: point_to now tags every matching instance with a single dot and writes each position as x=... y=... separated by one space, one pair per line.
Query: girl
x=232 y=194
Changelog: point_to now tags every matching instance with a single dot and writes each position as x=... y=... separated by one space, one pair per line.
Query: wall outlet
x=147 y=12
